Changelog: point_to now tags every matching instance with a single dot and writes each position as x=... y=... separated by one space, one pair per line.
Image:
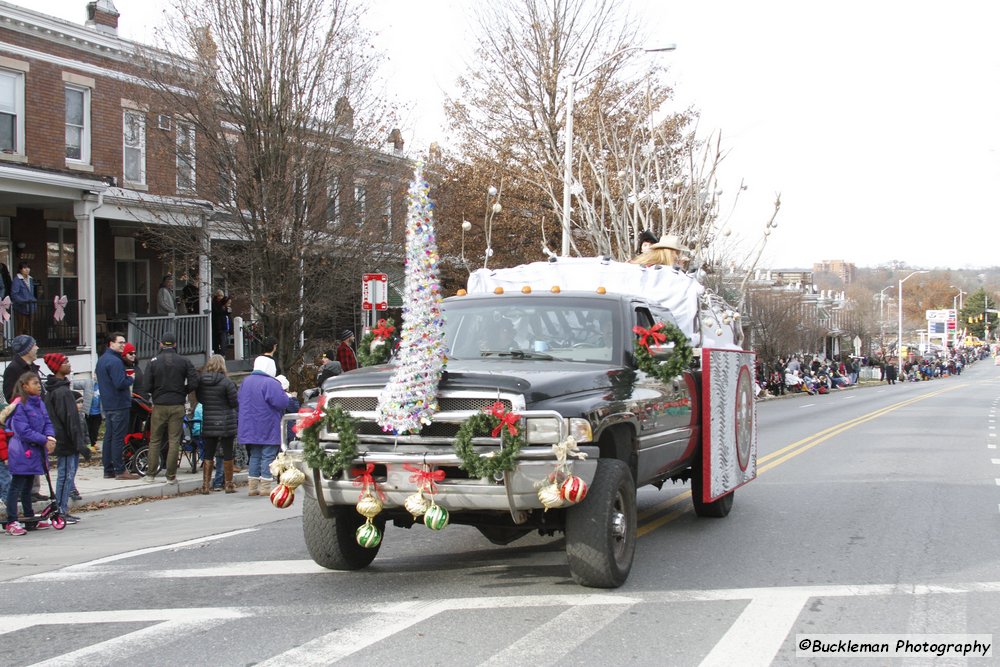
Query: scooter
x=50 y=513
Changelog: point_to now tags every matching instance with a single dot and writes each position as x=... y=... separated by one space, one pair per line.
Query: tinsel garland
x=409 y=400
x=679 y=360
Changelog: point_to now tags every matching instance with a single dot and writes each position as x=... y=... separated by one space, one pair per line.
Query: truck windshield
x=527 y=328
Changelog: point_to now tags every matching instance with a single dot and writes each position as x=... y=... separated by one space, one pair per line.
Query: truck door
x=664 y=411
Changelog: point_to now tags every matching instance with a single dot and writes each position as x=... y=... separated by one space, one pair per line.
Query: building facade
x=85 y=167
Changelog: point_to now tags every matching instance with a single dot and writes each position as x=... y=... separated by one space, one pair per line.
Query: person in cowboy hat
x=668 y=251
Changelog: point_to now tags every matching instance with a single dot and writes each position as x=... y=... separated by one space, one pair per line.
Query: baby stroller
x=136 y=450
x=51 y=511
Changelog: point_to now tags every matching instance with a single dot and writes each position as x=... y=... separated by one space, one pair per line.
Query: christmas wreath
x=658 y=334
x=376 y=345
x=496 y=421
x=337 y=421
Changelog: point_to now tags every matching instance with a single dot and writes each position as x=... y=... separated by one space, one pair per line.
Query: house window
x=132 y=286
x=11 y=112
x=60 y=264
x=227 y=187
x=78 y=124
x=360 y=195
x=134 y=141
x=333 y=202
x=185 y=157
x=387 y=213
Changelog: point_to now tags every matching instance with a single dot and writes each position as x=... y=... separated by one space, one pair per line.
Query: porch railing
x=47 y=332
x=191 y=332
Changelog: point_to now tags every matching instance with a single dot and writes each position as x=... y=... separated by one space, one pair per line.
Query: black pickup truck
x=565 y=364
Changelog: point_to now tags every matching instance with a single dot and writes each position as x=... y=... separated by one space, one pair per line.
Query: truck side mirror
x=661 y=352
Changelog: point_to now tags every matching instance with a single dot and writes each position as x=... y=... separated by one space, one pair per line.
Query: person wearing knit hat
x=262 y=404
x=25 y=351
x=55 y=361
x=132 y=369
x=345 y=353
x=60 y=403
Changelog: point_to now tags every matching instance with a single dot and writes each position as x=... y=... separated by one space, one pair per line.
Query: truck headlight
x=580 y=430
x=542 y=431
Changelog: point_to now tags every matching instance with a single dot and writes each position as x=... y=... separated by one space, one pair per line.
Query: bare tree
x=636 y=166
x=276 y=106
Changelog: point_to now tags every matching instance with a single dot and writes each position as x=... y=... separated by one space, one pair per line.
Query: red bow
x=508 y=419
x=383 y=330
x=310 y=417
x=363 y=478
x=646 y=334
x=425 y=479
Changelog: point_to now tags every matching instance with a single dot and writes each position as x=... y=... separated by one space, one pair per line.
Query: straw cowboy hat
x=669 y=242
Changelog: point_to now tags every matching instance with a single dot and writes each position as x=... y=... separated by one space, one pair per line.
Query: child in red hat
x=64 y=413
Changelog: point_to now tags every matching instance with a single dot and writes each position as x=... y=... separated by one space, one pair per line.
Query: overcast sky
x=877 y=121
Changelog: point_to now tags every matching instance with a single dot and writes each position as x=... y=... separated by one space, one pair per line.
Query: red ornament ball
x=573 y=489
x=282 y=497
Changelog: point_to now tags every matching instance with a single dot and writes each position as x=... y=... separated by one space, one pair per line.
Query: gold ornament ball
x=369 y=506
x=550 y=496
x=292 y=478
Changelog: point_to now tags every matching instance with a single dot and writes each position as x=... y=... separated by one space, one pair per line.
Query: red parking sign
x=374 y=291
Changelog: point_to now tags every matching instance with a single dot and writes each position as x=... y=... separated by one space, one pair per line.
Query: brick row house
x=85 y=167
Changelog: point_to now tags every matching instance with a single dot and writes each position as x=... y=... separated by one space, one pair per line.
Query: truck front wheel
x=601 y=530
x=331 y=542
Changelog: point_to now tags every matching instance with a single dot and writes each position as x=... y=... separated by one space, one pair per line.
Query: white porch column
x=205 y=282
x=83 y=211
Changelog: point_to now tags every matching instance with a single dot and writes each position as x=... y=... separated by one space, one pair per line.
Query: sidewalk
x=94 y=488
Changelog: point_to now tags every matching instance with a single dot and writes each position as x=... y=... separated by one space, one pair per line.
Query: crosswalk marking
x=758 y=633
x=127 y=645
x=548 y=642
x=165 y=547
x=341 y=643
x=245 y=569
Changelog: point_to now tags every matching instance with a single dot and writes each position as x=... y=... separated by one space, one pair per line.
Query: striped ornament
x=436 y=517
x=282 y=497
x=367 y=535
x=573 y=489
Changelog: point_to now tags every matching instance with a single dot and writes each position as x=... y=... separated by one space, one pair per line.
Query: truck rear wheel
x=601 y=530
x=716 y=509
x=331 y=542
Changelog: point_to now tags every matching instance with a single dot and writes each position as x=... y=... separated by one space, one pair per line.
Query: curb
x=143 y=489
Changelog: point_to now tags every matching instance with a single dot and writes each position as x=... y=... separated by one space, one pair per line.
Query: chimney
x=396 y=139
x=102 y=16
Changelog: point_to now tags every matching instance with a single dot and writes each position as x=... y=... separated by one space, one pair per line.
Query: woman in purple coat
x=262 y=404
x=28 y=450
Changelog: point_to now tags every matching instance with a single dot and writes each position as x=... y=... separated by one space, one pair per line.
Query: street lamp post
x=899 y=341
x=568 y=139
x=956 y=305
x=881 y=317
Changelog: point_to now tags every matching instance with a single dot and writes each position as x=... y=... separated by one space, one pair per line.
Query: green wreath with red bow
x=335 y=420
x=376 y=345
x=659 y=334
x=496 y=421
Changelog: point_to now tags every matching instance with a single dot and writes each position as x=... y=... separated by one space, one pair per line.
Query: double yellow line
x=775 y=459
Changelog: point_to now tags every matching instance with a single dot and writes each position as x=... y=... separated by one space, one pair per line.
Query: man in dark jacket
x=25 y=351
x=116 y=400
x=330 y=367
x=169 y=379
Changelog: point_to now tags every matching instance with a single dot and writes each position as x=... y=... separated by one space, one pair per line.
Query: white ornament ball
x=550 y=496
x=492 y=191
x=466 y=225
x=416 y=504
x=497 y=207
